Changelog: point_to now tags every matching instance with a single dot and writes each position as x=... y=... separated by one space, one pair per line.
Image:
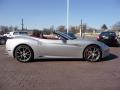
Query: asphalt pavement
x=60 y=74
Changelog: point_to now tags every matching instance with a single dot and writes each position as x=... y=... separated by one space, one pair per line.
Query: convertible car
x=27 y=48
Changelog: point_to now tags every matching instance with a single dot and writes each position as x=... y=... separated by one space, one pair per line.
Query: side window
x=16 y=33
x=23 y=33
x=113 y=34
x=104 y=34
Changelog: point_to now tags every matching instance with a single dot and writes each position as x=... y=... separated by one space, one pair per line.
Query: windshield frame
x=64 y=35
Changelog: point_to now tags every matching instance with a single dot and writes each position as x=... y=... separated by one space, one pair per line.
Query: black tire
x=23 y=53
x=2 y=41
x=92 y=53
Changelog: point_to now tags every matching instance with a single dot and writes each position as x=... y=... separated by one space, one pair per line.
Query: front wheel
x=23 y=53
x=92 y=53
x=2 y=41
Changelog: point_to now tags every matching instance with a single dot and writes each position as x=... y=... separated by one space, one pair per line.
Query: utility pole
x=22 y=25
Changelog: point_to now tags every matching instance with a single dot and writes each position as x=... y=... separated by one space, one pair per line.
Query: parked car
x=3 y=40
x=15 y=33
x=109 y=38
x=27 y=48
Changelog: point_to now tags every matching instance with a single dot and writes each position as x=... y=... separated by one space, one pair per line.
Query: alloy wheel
x=92 y=53
x=23 y=53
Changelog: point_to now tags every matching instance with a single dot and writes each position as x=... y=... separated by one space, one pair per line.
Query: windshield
x=72 y=35
x=20 y=33
x=64 y=35
x=108 y=34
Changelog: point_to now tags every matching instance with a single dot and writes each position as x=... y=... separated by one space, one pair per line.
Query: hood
x=85 y=42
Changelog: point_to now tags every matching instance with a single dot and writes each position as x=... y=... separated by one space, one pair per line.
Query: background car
x=27 y=48
x=109 y=38
x=15 y=33
x=3 y=40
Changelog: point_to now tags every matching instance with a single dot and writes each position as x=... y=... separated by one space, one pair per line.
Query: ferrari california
x=27 y=48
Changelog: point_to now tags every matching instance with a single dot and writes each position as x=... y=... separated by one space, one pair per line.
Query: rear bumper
x=9 y=48
x=10 y=53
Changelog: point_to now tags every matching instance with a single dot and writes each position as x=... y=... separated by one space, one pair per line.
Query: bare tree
x=62 y=28
x=4 y=29
x=74 y=29
x=47 y=31
x=11 y=28
x=15 y=28
x=116 y=26
x=36 y=33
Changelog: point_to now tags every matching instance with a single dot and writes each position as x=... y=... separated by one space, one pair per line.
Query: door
x=58 y=48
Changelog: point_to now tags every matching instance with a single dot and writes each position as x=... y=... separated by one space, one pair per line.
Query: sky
x=40 y=14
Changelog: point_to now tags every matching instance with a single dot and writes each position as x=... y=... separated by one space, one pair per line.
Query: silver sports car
x=27 y=48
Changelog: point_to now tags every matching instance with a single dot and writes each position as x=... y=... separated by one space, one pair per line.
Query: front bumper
x=105 y=53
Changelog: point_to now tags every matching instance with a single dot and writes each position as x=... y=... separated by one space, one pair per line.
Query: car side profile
x=27 y=48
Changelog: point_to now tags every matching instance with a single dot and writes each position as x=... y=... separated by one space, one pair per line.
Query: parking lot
x=60 y=74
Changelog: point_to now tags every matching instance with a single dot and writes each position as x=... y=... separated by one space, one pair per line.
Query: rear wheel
x=23 y=53
x=92 y=53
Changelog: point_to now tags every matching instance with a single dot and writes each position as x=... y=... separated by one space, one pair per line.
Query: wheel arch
x=23 y=44
x=92 y=45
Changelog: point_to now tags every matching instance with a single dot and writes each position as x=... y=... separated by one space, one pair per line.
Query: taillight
x=98 y=37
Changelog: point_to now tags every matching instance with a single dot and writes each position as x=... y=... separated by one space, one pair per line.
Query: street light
x=68 y=5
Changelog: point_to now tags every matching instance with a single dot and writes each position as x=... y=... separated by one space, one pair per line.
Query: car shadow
x=114 y=46
x=109 y=58
x=57 y=59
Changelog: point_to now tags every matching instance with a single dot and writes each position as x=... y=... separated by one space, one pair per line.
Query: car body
x=15 y=33
x=28 y=48
x=3 y=40
x=118 y=35
x=109 y=38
